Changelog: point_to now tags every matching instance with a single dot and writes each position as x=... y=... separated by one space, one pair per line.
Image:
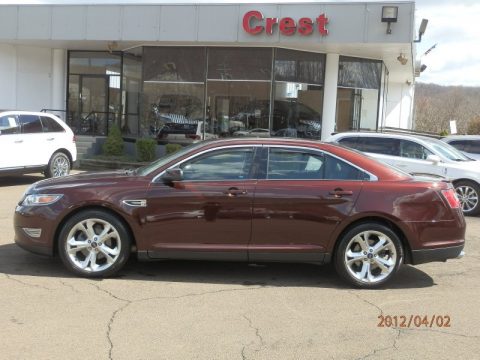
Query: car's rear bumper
x=439 y=254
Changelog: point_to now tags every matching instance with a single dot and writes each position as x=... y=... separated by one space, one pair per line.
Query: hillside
x=436 y=105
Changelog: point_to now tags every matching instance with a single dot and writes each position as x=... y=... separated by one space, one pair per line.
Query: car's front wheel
x=94 y=243
x=59 y=165
x=368 y=255
x=468 y=193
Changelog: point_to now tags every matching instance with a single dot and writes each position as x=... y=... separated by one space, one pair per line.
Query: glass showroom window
x=358 y=94
x=94 y=89
x=132 y=87
x=173 y=89
x=297 y=108
x=238 y=91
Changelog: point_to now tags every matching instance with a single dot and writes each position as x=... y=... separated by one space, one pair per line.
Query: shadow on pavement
x=15 y=261
x=15 y=180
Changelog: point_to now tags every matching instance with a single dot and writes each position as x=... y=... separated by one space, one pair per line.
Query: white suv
x=35 y=142
x=422 y=155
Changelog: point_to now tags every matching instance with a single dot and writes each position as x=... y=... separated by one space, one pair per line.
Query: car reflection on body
x=257 y=200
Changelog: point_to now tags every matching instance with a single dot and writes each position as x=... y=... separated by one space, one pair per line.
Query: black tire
x=362 y=268
x=468 y=193
x=80 y=241
x=59 y=165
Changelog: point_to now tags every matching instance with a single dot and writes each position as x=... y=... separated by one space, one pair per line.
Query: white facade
x=35 y=40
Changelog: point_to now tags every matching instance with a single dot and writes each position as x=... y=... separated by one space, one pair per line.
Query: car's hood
x=89 y=179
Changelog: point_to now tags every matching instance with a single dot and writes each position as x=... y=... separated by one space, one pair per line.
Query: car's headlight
x=40 y=199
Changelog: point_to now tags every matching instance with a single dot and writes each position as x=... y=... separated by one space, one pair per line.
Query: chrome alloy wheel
x=370 y=256
x=60 y=166
x=93 y=245
x=468 y=197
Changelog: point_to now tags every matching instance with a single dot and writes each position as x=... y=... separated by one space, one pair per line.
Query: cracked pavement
x=207 y=310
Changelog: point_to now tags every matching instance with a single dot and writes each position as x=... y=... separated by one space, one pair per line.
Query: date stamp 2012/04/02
x=409 y=321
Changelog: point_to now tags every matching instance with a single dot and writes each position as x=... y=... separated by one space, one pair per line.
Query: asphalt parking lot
x=207 y=310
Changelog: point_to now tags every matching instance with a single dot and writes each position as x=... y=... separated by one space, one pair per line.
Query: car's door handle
x=235 y=192
x=50 y=139
x=338 y=193
x=18 y=141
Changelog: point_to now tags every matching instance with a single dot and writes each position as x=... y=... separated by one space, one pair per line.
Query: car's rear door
x=208 y=214
x=34 y=139
x=300 y=201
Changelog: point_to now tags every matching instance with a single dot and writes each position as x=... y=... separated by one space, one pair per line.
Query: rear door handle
x=50 y=139
x=232 y=192
x=18 y=141
x=338 y=193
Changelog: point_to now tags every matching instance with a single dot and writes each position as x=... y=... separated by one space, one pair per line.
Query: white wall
x=25 y=77
x=8 y=74
x=399 y=105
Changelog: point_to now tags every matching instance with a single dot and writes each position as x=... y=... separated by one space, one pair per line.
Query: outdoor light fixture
x=421 y=30
x=389 y=15
x=402 y=59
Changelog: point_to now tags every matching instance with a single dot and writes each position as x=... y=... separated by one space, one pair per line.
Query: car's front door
x=13 y=149
x=206 y=215
x=304 y=196
x=413 y=159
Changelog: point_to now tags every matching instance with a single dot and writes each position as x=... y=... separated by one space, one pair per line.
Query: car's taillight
x=74 y=139
x=451 y=198
x=192 y=136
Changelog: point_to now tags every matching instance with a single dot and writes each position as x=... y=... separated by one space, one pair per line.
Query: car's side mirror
x=435 y=159
x=172 y=175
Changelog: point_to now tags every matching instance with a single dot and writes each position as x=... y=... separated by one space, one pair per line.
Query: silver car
x=424 y=155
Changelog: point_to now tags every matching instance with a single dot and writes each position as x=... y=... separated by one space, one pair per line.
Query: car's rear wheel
x=59 y=165
x=368 y=255
x=468 y=193
x=94 y=243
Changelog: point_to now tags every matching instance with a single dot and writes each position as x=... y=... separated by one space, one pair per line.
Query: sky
x=455 y=27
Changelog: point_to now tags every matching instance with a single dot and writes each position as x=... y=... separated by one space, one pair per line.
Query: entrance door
x=94 y=104
x=90 y=113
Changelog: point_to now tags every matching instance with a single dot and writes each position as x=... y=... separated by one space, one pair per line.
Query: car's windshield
x=447 y=150
x=147 y=169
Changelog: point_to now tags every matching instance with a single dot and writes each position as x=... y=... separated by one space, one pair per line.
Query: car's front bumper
x=39 y=239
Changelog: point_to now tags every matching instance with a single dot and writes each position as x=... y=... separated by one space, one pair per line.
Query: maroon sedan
x=256 y=200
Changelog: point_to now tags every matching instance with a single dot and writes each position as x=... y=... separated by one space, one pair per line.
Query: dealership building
x=305 y=69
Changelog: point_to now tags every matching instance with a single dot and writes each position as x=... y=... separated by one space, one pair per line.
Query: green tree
x=113 y=145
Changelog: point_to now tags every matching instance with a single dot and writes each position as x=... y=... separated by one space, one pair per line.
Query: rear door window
x=379 y=145
x=31 y=124
x=290 y=164
x=351 y=142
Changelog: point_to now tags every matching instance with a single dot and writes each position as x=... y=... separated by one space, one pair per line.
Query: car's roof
x=461 y=137
x=384 y=135
x=23 y=112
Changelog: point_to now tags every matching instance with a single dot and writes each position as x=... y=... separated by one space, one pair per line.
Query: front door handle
x=18 y=141
x=233 y=191
x=338 y=193
x=50 y=139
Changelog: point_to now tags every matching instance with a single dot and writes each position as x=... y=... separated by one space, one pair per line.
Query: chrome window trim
x=372 y=176
x=154 y=180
